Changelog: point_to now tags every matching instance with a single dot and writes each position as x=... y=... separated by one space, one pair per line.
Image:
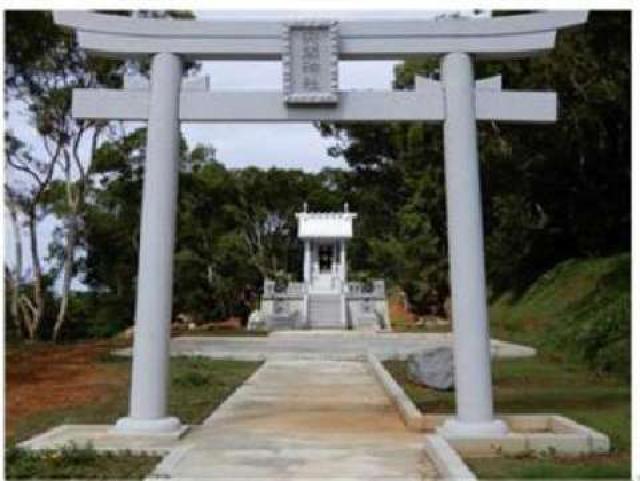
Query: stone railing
x=293 y=290
x=373 y=290
x=283 y=306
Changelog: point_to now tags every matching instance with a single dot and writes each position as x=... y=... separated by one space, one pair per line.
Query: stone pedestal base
x=169 y=426
x=454 y=427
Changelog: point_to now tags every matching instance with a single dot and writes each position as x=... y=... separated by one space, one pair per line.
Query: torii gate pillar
x=150 y=372
x=471 y=342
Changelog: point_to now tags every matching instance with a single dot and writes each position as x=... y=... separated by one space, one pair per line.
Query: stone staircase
x=325 y=311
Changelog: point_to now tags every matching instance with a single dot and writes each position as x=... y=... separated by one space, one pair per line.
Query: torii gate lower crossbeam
x=457 y=100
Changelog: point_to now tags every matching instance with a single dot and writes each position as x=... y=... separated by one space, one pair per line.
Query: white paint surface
x=148 y=404
x=328 y=225
x=474 y=400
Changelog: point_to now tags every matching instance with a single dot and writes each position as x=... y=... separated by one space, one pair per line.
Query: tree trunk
x=12 y=287
x=75 y=201
x=29 y=315
x=16 y=278
x=69 y=249
x=38 y=292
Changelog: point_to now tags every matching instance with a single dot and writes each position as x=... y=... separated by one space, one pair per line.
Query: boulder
x=432 y=368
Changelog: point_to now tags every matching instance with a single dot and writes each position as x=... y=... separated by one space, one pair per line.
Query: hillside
x=580 y=309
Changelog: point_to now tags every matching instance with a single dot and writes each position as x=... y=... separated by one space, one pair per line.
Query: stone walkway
x=313 y=411
x=340 y=345
x=303 y=420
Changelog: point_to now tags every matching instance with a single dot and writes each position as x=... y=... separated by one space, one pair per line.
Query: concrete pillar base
x=169 y=426
x=455 y=427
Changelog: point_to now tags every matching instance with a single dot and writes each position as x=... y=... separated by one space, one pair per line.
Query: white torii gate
x=457 y=100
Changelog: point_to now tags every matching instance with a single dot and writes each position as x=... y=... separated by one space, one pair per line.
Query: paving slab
x=304 y=420
x=322 y=345
x=101 y=437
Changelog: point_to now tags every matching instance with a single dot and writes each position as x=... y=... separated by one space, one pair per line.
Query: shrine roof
x=325 y=225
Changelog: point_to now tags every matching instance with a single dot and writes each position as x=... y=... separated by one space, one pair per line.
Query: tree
x=45 y=67
x=549 y=193
x=563 y=190
x=38 y=174
x=234 y=229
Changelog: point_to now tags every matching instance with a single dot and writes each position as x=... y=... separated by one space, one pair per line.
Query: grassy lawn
x=198 y=386
x=544 y=385
x=398 y=326
x=578 y=311
x=77 y=463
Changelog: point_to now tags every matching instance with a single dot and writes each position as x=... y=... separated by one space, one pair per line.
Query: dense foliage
x=580 y=309
x=550 y=192
x=234 y=228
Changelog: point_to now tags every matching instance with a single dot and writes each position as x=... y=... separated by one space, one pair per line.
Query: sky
x=283 y=145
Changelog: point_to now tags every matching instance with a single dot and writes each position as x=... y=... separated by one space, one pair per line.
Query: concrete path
x=303 y=420
x=338 y=345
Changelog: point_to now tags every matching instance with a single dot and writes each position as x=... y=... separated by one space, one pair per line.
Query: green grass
x=545 y=385
x=580 y=310
x=77 y=462
x=528 y=467
x=400 y=326
x=198 y=386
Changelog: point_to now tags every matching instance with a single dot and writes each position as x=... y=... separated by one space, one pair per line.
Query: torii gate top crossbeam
x=359 y=38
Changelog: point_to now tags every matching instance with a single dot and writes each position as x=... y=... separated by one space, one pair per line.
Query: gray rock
x=432 y=368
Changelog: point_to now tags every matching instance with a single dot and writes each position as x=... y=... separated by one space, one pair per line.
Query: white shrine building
x=325 y=299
